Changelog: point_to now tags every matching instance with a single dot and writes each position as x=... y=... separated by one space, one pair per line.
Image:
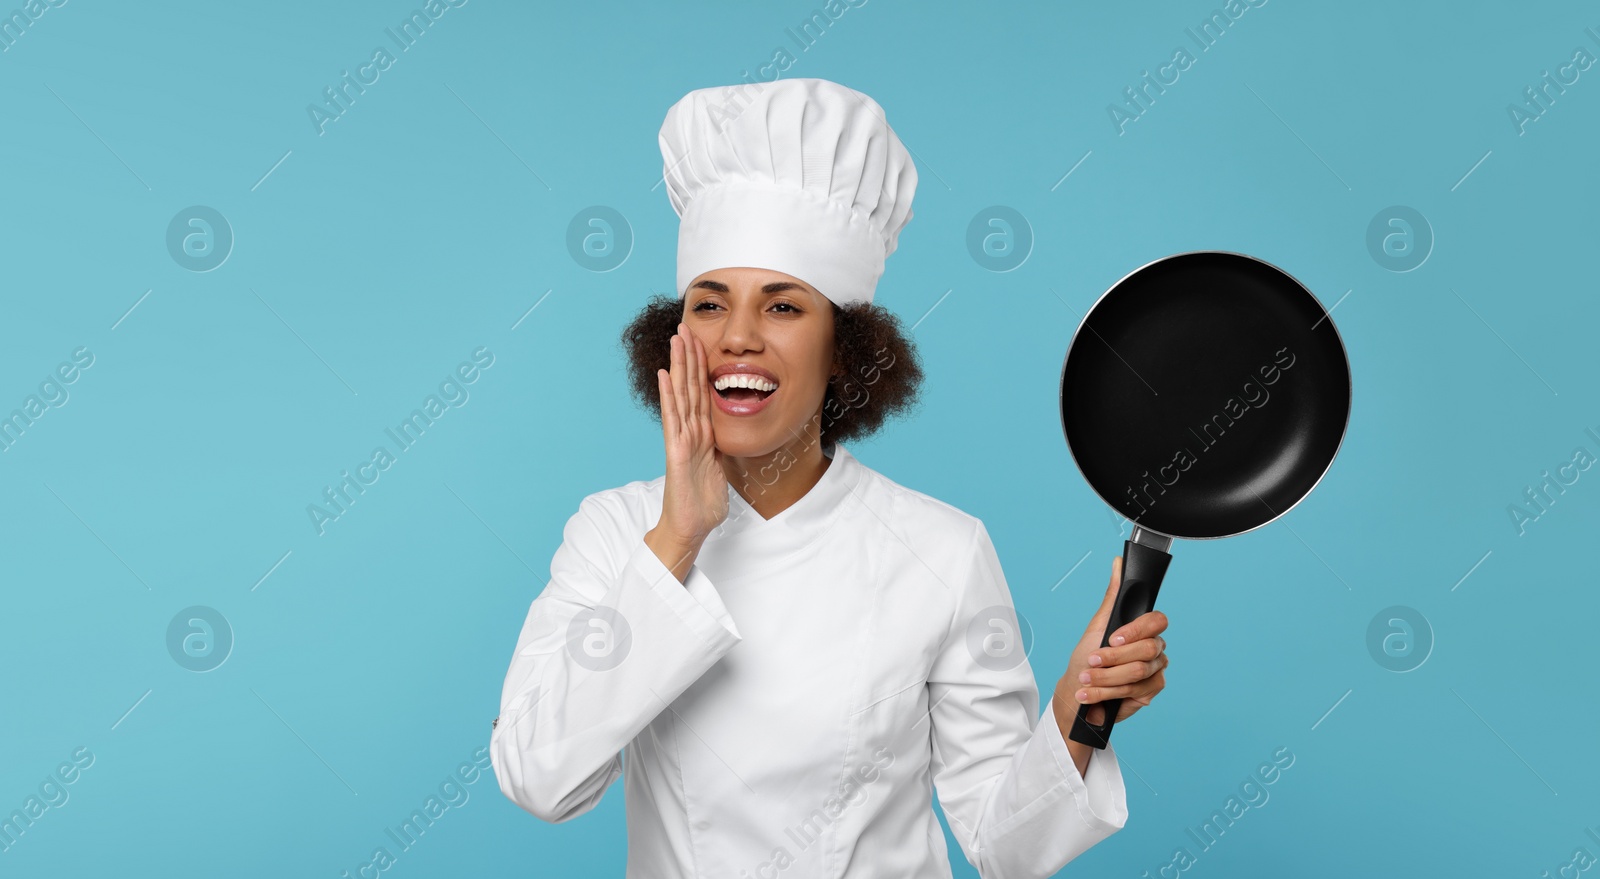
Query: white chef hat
x=800 y=176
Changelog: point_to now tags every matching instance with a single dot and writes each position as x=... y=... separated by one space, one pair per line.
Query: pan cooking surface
x=1205 y=394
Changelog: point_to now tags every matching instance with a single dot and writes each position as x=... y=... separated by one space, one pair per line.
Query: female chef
x=782 y=652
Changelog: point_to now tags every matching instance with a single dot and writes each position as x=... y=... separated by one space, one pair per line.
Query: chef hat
x=800 y=176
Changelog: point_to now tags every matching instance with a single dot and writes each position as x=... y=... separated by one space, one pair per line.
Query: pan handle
x=1143 y=568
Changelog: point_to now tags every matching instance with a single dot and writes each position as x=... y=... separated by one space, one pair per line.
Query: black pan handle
x=1143 y=568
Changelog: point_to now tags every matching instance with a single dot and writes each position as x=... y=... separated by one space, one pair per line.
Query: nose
x=741 y=331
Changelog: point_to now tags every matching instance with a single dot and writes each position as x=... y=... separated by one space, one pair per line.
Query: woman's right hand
x=696 y=493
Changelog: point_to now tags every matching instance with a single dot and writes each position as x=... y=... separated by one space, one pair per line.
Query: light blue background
x=371 y=259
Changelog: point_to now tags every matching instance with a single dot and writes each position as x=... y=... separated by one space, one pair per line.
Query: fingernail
x=1082 y=695
x=1117 y=639
x=1084 y=677
x=1095 y=660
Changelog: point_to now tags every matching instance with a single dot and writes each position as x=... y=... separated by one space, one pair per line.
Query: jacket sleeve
x=1007 y=782
x=612 y=639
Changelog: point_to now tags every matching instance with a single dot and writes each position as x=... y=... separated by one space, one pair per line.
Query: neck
x=772 y=482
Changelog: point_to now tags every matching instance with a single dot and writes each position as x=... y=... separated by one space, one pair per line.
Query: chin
x=742 y=448
x=748 y=441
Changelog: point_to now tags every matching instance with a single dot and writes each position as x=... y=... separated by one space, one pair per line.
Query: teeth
x=743 y=380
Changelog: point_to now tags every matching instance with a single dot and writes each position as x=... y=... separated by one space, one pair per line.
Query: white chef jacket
x=789 y=710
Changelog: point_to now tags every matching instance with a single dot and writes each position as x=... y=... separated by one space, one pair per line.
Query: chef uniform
x=790 y=709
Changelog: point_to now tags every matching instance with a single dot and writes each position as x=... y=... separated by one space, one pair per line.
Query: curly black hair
x=870 y=352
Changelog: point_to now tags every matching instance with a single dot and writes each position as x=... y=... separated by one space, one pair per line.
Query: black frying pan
x=1204 y=395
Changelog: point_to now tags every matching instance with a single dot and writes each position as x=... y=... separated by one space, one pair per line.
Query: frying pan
x=1202 y=396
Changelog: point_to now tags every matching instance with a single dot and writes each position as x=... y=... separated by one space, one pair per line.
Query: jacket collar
x=745 y=536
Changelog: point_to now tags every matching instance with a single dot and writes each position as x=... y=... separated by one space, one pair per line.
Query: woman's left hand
x=1134 y=670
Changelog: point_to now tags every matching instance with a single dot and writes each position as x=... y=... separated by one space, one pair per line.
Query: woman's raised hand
x=696 y=498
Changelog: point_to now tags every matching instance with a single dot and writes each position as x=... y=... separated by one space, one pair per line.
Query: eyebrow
x=774 y=287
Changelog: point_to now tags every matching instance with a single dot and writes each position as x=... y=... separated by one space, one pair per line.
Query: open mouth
x=744 y=389
x=745 y=395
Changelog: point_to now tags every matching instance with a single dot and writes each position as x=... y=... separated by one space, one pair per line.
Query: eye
x=788 y=306
x=700 y=305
